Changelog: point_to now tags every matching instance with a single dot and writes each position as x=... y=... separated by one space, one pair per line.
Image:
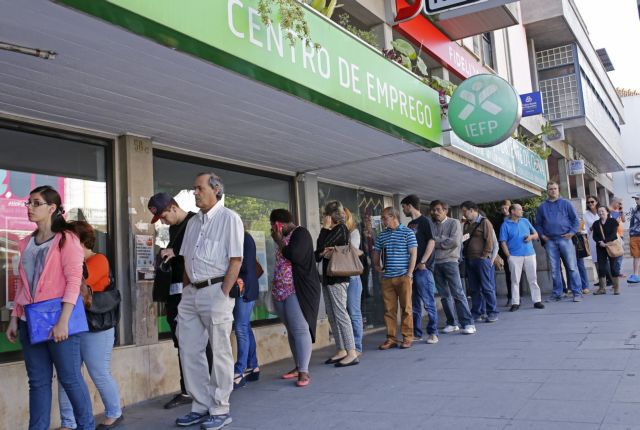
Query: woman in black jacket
x=334 y=289
x=605 y=230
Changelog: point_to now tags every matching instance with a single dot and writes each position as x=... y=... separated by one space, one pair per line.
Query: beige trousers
x=206 y=314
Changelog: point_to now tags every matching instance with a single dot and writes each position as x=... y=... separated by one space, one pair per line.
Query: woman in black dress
x=605 y=230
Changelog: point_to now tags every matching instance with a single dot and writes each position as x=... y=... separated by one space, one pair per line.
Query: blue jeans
x=422 y=293
x=618 y=264
x=449 y=285
x=95 y=352
x=482 y=285
x=247 y=357
x=560 y=248
x=354 y=298
x=39 y=360
x=582 y=270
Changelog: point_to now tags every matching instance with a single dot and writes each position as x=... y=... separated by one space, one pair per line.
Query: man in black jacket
x=165 y=209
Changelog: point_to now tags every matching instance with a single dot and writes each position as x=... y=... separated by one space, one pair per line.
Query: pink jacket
x=60 y=277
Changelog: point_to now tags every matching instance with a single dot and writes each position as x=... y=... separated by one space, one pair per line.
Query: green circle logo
x=484 y=110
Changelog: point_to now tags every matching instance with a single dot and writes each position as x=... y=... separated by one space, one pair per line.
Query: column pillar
x=563 y=178
x=603 y=196
x=135 y=157
x=308 y=205
x=593 y=188
x=397 y=198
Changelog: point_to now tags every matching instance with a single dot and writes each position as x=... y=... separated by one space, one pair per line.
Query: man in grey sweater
x=447 y=234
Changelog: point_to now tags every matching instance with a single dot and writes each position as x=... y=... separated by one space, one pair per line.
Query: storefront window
x=253 y=197
x=76 y=169
x=367 y=208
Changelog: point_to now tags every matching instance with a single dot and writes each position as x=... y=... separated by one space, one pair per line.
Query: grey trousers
x=335 y=303
x=297 y=330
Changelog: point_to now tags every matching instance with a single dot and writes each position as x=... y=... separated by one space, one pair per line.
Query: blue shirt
x=514 y=232
x=553 y=219
x=396 y=245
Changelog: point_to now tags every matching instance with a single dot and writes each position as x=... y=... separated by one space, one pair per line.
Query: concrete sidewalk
x=569 y=366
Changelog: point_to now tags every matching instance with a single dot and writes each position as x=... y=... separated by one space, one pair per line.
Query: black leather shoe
x=178 y=400
x=113 y=425
x=514 y=308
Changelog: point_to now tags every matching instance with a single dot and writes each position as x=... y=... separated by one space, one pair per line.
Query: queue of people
x=213 y=286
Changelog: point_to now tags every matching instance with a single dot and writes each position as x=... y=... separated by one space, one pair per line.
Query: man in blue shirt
x=399 y=247
x=557 y=222
x=516 y=240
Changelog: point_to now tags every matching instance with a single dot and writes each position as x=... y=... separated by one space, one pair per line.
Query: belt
x=208 y=282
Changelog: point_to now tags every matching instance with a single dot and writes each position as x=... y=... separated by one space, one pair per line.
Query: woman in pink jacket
x=50 y=267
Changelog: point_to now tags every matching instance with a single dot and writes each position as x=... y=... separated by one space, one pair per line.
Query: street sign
x=428 y=7
x=576 y=167
x=439 y=6
x=531 y=104
x=484 y=110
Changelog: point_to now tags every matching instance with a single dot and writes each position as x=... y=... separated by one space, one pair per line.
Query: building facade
x=142 y=96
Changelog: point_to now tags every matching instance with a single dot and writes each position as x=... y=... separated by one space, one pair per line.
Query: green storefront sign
x=484 y=110
x=509 y=156
x=344 y=75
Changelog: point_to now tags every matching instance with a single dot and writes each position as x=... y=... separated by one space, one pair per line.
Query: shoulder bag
x=581 y=243
x=614 y=247
x=345 y=261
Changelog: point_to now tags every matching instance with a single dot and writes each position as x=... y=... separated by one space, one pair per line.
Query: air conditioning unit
x=636 y=178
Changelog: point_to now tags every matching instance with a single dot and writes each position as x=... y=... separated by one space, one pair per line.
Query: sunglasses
x=591 y=201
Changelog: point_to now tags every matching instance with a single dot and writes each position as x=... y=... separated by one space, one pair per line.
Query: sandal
x=303 y=382
x=252 y=374
x=239 y=381
x=290 y=374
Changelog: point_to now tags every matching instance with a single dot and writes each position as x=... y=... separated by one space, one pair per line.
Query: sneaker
x=577 y=299
x=215 y=422
x=432 y=339
x=553 y=299
x=514 y=308
x=586 y=291
x=191 y=418
x=538 y=305
x=450 y=329
x=492 y=318
x=470 y=329
x=633 y=279
x=178 y=400
x=480 y=318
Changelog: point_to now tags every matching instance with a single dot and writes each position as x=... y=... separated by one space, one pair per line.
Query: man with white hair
x=212 y=249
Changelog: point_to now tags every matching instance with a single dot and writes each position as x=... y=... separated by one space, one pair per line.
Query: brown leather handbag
x=614 y=248
x=345 y=261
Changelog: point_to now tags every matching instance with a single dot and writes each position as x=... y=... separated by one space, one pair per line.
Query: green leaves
x=404 y=48
x=422 y=67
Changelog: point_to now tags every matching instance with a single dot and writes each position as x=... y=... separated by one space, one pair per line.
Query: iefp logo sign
x=428 y=7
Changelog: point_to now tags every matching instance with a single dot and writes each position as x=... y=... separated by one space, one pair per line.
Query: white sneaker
x=432 y=339
x=450 y=329
x=470 y=329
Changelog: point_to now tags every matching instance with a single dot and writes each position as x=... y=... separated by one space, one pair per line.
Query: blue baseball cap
x=158 y=203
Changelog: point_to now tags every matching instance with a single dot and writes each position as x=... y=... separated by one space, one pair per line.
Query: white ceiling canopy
x=108 y=80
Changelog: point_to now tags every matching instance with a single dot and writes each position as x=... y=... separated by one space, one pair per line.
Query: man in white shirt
x=212 y=250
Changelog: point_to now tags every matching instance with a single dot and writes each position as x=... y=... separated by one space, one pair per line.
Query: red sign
x=421 y=31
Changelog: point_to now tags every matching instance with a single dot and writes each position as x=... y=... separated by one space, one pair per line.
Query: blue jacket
x=553 y=219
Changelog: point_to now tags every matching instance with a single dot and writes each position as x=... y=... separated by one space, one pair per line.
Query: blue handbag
x=42 y=316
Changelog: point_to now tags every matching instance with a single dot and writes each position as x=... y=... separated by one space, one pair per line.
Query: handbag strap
x=601 y=231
